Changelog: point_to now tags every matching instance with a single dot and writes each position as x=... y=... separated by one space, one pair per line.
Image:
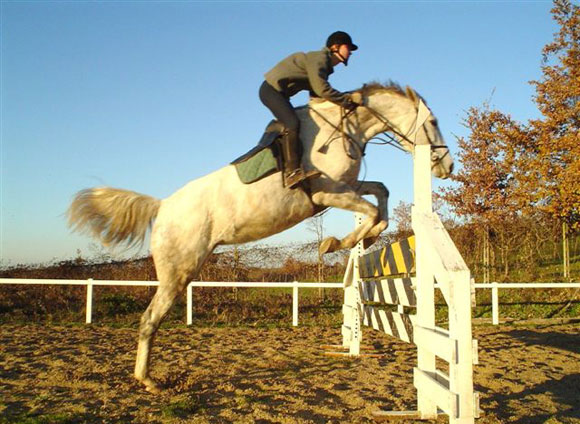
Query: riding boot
x=293 y=172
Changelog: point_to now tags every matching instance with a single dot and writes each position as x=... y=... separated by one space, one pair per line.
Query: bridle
x=423 y=114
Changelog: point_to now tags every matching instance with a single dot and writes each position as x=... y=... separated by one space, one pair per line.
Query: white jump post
x=436 y=258
x=351 y=308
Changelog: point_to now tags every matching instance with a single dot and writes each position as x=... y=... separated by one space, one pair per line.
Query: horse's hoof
x=151 y=386
x=329 y=245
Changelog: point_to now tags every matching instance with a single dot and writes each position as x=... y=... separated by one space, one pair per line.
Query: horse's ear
x=412 y=95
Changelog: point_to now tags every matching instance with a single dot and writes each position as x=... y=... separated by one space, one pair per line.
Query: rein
x=392 y=141
x=346 y=137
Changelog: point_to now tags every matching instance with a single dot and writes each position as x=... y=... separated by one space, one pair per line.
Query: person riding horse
x=304 y=71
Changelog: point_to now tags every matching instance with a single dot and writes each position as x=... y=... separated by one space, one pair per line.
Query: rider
x=304 y=71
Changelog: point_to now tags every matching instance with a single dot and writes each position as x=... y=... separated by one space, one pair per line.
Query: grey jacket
x=305 y=71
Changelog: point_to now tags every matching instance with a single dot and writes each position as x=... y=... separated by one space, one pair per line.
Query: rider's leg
x=283 y=110
x=280 y=107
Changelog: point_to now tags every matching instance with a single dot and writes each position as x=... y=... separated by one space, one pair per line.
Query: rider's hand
x=357 y=98
x=353 y=101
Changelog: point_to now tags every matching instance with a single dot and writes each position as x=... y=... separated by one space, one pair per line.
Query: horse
x=217 y=209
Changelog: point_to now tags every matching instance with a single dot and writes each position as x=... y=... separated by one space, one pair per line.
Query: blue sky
x=150 y=95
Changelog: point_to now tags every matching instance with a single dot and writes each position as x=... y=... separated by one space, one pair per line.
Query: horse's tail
x=113 y=215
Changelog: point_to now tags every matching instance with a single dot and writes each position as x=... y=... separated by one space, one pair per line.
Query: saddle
x=264 y=159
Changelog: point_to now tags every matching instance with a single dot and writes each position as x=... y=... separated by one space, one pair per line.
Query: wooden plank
x=349 y=274
x=436 y=342
x=396 y=415
x=347 y=309
x=392 y=323
x=461 y=375
x=438 y=238
x=393 y=291
x=436 y=387
x=476 y=409
x=346 y=332
x=341 y=347
x=397 y=258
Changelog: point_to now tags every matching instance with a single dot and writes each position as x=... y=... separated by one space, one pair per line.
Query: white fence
x=294 y=285
x=90 y=283
x=496 y=286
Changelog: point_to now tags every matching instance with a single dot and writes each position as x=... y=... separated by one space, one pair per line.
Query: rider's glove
x=353 y=101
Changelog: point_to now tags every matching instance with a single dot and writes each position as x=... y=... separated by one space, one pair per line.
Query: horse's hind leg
x=172 y=281
x=151 y=319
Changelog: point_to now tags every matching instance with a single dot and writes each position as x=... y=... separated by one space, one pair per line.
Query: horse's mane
x=374 y=87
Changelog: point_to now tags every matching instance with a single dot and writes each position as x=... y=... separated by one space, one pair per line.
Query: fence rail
x=294 y=285
x=90 y=283
x=494 y=287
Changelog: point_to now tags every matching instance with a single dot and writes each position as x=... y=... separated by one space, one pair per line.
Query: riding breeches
x=280 y=106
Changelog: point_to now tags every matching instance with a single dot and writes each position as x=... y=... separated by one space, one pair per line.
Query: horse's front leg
x=381 y=193
x=329 y=193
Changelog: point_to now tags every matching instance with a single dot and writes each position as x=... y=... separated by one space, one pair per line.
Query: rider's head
x=341 y=45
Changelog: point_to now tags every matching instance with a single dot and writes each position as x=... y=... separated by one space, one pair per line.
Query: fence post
x=89 y=306
x=295 y=304
x=189 y=304
x=494 y=303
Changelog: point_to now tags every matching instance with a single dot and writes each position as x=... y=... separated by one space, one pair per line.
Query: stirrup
x=295 y=177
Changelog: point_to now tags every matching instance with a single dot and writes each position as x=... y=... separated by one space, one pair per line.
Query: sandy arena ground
x=526 y=375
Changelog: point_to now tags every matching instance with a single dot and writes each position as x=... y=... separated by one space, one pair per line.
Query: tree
x=511 y=169
x=403 y=221
x=316 y=225
x=556 y=146
x=488 y=193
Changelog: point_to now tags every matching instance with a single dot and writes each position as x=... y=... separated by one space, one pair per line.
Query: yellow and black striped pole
x=395 y=259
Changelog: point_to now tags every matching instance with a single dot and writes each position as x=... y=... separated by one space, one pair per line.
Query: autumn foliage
x=520 y=181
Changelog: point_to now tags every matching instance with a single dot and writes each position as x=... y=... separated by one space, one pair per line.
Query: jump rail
x=90 y=283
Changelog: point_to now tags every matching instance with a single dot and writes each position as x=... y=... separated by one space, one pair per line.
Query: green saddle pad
x=259 y=165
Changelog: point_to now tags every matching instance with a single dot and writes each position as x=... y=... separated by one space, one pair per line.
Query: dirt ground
x=51 y=374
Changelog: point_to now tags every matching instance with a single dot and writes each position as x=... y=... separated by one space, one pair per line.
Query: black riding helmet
x=340 y=37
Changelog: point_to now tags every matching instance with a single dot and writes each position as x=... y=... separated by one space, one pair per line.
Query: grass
x=273 y=308
x=182 y=408
x=46 y=419
x=242 y=307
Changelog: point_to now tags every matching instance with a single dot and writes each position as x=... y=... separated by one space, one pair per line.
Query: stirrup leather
x=293 y=178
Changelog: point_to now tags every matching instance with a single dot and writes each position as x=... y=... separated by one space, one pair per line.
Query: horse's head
x=404 y=115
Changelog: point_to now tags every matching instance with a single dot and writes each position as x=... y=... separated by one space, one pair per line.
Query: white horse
x=218 y=209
